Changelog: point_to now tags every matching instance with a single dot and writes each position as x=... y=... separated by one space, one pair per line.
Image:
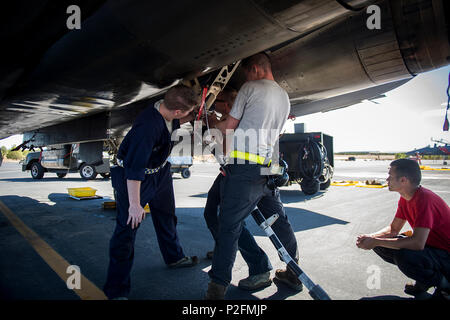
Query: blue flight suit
x=147 y=145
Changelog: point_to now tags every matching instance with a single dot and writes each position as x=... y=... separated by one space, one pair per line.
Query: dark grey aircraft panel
x=128 y=52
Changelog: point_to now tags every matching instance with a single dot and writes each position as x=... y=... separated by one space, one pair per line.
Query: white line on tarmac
x=204 y=176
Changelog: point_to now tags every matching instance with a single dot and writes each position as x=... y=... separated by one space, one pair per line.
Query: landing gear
x=217 y=85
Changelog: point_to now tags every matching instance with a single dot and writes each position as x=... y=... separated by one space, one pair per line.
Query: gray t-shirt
x=262 y=107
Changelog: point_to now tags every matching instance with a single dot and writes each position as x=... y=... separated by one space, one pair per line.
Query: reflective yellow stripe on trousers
x=249 y=157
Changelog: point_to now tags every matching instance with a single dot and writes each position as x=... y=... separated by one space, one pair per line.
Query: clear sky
x=13 y=140
x=407 y=118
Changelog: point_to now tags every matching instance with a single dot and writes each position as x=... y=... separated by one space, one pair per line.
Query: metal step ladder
x=316 y=292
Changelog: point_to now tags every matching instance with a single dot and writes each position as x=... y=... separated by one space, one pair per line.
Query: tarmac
x=43 y=230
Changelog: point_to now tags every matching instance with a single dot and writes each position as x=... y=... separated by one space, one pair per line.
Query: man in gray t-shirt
x=262 y=107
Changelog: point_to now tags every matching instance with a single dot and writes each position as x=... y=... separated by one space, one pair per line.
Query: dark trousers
x=157 y=191
x=241 y=190
x=426 y=266
x=254 y=256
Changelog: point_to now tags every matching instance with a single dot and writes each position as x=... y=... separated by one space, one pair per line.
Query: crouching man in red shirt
x=425 y=255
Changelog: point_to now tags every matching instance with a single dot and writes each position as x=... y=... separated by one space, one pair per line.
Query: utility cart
x=310 y=159
x=181 y=164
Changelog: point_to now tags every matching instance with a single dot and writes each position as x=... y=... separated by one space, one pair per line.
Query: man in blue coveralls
x=143 y=176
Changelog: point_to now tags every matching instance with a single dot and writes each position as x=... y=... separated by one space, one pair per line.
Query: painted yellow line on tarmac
x=87 y=291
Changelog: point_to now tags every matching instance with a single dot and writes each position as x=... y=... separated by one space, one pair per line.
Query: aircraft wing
x=64 y=85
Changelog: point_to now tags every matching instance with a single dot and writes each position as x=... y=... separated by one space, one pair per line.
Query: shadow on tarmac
x=80 y=232
x=287 y=196
x=282 y=292
x=294 y=196
x=75 y=230
x=386 y=297
x=200 y=195
x=300 y=219
x=50 y=179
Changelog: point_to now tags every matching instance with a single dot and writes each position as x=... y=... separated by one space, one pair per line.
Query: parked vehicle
x=181 y=165
x=62 y=160
x=310 y=160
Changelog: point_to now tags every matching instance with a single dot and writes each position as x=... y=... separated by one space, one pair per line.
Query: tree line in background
x=13 y=155
x=20 y=155
x=396 y=155
x=423 y=157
